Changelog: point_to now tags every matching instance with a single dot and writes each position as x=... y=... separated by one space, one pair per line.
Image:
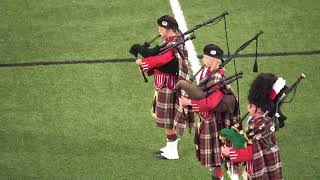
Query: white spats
x=171 y=150
x=164 y=148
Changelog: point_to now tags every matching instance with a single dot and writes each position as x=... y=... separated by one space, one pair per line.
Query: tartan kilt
x=183 y=119
x=208 y=150
x=165 y=107
x=266 y=161
x=207 y=139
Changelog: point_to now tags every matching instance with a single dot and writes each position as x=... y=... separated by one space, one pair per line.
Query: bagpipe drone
x=204 y=88
x=146 y=51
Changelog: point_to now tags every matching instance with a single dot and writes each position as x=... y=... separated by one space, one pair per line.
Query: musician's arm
x=238 y=155
x=152 y=62
x=208 y=103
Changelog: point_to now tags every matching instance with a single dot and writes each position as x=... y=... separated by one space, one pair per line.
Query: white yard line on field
x=192 y=54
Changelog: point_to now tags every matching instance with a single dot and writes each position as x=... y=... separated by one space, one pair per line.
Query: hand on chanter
x=184 y=102
x=225 y=151
x=139 y=61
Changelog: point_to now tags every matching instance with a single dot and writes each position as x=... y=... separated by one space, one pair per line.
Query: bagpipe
x=159 y=50
x=204 y=88
x=146 y=51
x=239 y=138
x=227 y=104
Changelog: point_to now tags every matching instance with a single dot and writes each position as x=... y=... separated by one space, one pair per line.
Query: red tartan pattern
x=186 y=119
x=165 y=107
x=168 y=112
x=182 y=54
x=208 y=151
x=266 y=163
x=183 y=120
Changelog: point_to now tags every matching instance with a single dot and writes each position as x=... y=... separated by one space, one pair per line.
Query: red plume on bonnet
x=264 y=90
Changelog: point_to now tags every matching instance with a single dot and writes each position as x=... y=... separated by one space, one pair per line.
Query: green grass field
x=92 y=121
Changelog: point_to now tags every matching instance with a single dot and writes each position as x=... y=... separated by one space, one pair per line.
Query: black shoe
x=159 y=156
x=158 y=151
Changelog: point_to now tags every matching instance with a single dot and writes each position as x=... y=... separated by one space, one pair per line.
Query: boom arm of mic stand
x=244 y=45
x=205 y=23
